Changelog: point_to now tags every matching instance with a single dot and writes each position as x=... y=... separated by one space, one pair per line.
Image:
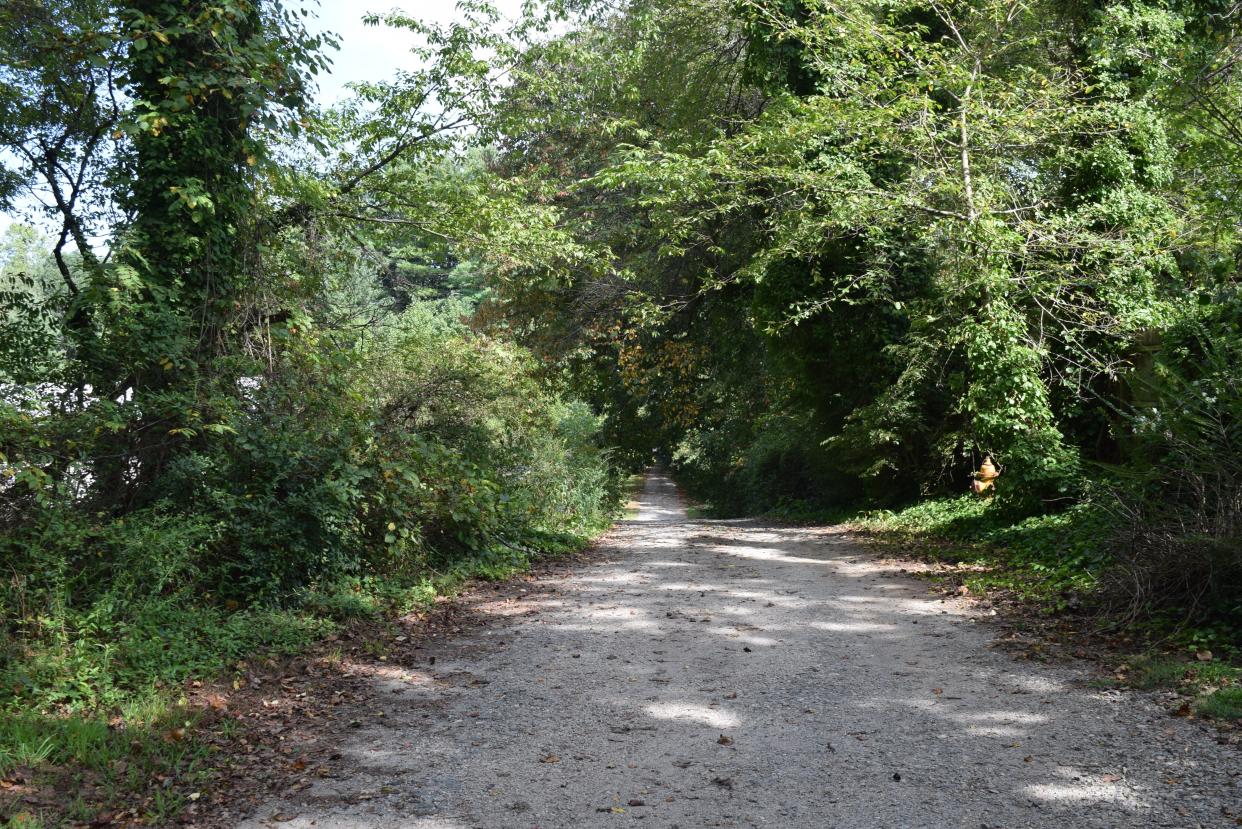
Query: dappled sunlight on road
x=1080 y=786
x=694 y=713
x=853 y=627
x=738 y=675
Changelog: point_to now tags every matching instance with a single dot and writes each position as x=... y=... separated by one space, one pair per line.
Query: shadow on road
x=732 y=674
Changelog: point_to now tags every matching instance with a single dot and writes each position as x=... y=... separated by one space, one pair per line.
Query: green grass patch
x=146 y=756
x=1157 y=672
x=1222 y=704
x=90 y=709
x=1216 y=685
x=91 y=662
x=90 y=704
x=1046 y=560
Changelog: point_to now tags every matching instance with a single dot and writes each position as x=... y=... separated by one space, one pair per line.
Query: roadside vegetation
x=239 y=407
x=266 y=367
x=833 y=257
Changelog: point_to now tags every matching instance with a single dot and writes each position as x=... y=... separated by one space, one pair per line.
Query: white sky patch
x=367 y=53
x=371 y=53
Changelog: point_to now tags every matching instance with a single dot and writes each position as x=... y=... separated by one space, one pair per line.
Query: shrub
x=1180 y=543
x=420 y=455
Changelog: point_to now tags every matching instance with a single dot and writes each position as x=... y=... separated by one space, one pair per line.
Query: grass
x=1223 y=704
x=634 y=486
x=1164 y=671
x=91 y=709
x=146 y=758
x=1214 y=685
x=92 y=706
x=1047 y=561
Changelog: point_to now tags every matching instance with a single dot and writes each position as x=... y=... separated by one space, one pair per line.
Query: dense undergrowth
x=342 y=485
x=268 y=366
x=242 y=403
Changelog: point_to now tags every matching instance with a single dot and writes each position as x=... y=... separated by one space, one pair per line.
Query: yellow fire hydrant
x=986 y=475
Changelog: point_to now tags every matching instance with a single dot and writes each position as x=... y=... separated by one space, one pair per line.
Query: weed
x=148 y=749
x=1157 y=672
x=1222 y=704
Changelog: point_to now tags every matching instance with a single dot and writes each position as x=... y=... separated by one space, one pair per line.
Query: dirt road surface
x=732 y=674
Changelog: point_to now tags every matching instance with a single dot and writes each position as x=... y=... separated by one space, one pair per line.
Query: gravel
x=735 y=674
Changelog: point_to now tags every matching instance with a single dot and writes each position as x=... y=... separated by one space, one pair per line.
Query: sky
x=367 y=52
x=374 y=52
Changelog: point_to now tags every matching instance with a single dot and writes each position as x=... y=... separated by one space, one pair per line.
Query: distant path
x=733 y=674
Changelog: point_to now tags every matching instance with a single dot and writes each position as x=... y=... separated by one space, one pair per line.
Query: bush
x=337 y=482
x=1180 y=511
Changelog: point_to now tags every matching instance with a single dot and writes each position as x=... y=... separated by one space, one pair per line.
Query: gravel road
x=732 y=674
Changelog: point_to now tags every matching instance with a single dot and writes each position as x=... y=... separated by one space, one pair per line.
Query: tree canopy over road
x=266 y=366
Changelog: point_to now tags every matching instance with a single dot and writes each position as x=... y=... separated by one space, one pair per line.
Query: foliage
x=121 y=757
x=1213 y=684
x=838 y=252
x=276 y=367
x=1181 y=503
x=243 y=392
x=1055 y=560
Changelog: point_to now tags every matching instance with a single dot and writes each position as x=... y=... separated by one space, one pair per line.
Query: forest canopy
x=260 y=358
